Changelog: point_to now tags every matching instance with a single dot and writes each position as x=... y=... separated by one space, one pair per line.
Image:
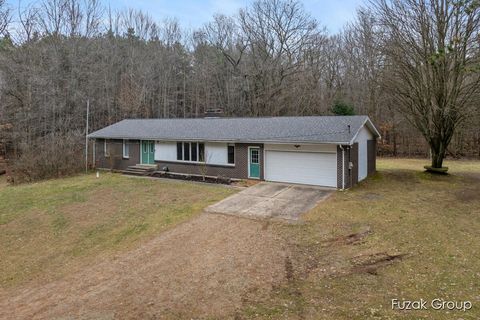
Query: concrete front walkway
x=272 y=200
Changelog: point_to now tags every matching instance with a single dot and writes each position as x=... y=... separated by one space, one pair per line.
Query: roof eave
x=223 y=140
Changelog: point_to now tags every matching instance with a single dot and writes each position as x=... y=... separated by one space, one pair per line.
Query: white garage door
x=301 y=167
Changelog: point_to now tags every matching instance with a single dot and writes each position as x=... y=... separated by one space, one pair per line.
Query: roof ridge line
x=250 y=118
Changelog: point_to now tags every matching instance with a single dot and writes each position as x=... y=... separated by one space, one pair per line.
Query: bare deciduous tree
x=276 y=32
x=271 y=58
x=432 y=51
x=5 y=16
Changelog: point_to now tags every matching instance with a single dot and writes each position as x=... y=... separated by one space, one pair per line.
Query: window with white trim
x=231 y=154
x=186 y=151
x=191 y=151
x=126 y=149
x=105 y=148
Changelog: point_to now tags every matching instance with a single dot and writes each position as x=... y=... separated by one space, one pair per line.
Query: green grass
x=50 y=227
x=433 y=219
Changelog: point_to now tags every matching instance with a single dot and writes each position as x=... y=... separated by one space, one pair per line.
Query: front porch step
x=137 y=170
x=144 y=166
x=141 y=169
x=136 y=173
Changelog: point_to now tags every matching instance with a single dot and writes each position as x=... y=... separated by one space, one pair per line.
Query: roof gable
x=369 y=125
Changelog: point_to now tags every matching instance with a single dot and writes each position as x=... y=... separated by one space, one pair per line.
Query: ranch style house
x=328 y=151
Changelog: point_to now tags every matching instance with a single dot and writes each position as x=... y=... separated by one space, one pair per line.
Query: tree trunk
x=438 y=154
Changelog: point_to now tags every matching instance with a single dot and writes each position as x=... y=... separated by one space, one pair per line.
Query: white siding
x=216 y=153
x=363 y=136
x=166 y=151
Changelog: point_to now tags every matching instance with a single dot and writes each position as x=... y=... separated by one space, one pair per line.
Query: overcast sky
x=193 y=13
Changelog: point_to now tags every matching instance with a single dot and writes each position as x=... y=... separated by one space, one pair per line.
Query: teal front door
x=147 y=151
x=254 y=162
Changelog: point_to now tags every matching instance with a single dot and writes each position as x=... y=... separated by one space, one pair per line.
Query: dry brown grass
x=202 y=269
x=246 y=183
x=3 y=181
x=403 y=233
x=48 y=228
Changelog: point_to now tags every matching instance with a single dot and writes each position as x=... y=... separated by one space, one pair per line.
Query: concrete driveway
x=272 y=200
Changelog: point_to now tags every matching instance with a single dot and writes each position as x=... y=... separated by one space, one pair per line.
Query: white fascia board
x=371 y=126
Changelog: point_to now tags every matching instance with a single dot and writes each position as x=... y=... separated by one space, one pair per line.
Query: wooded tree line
x=270 y=59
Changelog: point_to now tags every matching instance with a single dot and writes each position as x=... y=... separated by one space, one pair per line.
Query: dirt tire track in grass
x=200 y=268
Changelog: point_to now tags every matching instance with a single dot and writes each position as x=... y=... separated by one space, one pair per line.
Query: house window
x=254 y=156
x=190 y=151
x=193 y=148
x=126 y=149
x=186 y=151
x=231 y=154
x=179 y=151
x=201 y=152
x=105 y=148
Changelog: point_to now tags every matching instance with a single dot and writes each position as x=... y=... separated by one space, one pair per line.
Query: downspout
x=343 y=167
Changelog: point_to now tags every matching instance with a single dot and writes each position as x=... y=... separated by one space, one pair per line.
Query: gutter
x=221 y=140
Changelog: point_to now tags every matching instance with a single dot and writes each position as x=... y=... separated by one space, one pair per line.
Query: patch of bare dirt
x=371 y=263
x=246 y=183
x=200 y=268
x=350 y=239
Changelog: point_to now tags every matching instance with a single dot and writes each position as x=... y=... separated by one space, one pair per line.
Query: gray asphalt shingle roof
x=318 y=129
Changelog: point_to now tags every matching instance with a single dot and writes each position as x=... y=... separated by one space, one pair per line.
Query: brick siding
x=351 y=175
x=372 y=156
x=116 y=161
x=238 y=171
x=354 y=160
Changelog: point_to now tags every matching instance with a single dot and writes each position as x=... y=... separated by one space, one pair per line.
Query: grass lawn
x=345 y=265
x=402 y=234
x=48 y=229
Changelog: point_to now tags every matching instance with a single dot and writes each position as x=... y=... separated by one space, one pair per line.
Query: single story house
x=330 y=151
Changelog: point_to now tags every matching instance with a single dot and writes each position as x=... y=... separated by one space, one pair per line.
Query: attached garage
x=307 y=164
